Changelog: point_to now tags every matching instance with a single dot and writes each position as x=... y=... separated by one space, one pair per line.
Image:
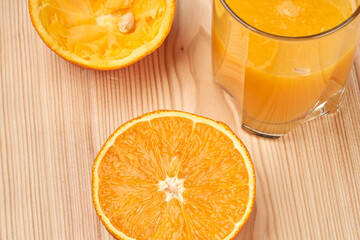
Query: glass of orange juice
x=284 y=61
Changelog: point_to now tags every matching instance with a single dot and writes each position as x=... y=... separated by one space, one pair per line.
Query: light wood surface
x=54 y=117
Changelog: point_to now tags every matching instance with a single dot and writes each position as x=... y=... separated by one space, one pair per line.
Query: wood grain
x=54 y=117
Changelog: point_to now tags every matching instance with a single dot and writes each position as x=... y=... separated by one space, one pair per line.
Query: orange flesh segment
x=90 y=28
x=215 y=179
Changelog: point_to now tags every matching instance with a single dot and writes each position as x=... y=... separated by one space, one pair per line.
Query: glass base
x=329 y=102
x=327 y=105
x=260 y=134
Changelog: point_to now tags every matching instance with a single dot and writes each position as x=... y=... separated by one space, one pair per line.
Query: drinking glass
x=278 y=82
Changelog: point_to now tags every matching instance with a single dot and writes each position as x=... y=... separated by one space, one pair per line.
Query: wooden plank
x=54 y=117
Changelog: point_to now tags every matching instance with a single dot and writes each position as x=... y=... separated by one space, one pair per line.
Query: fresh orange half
x=173 y=175
x=102 y=34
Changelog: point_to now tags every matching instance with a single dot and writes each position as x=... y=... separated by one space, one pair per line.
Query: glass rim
x=279 y=37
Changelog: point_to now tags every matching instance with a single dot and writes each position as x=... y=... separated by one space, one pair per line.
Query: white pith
x=172 y=187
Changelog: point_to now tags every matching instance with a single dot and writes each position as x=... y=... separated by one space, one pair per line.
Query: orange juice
x=278 y=81
x=292 y=17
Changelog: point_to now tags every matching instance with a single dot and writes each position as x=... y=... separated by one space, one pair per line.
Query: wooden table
x=55 y=116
